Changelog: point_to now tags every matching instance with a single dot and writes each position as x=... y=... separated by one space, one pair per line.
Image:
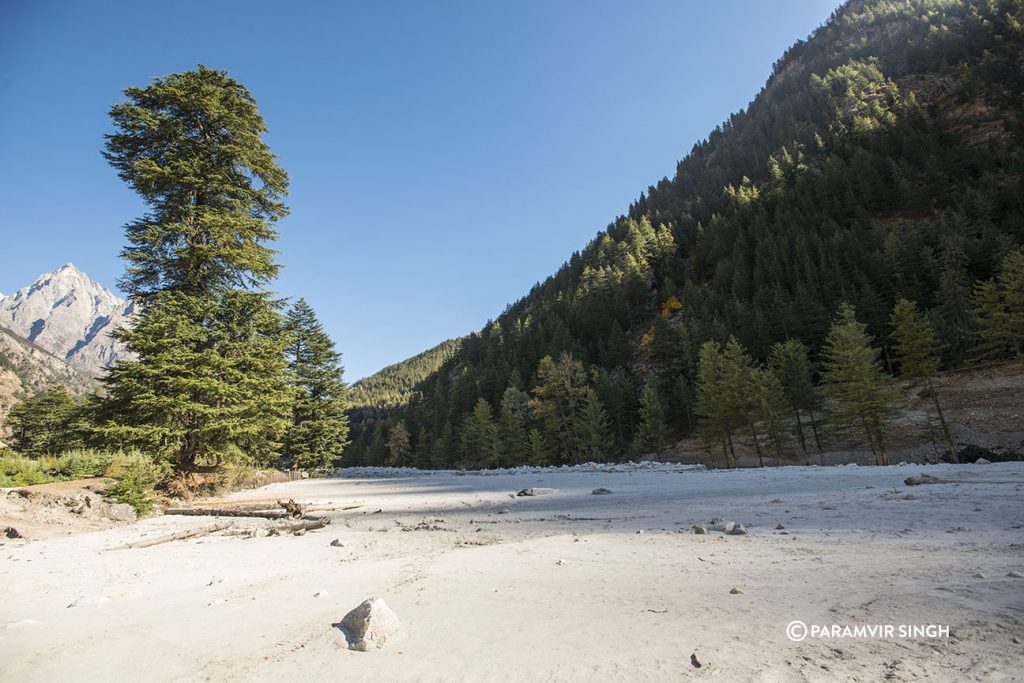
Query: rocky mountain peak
x=70 y=315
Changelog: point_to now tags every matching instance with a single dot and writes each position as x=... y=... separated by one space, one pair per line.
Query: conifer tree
x=860 y=391
x=480 y=444
x=398 y=446
x=593 y=428
x=917 y=352
x=513 y=425
x=318 y=432
x=558 y=404
x=719 y=415
x=207 y=383
x=540 y=454
x=653 y=434
x=48 y=423
x=1000 y=310
x=790 y=362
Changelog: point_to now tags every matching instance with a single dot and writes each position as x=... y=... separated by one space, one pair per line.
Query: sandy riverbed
x=556 y=587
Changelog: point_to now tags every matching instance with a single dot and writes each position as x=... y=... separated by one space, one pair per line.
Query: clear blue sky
x=444 y=156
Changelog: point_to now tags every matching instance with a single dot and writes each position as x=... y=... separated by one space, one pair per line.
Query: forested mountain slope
x=882 y=160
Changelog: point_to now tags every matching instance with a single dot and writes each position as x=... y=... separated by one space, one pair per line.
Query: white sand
x=559 y=587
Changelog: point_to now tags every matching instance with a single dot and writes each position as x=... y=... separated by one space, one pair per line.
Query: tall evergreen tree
x=48 y=423
x=1000 y=309
x=917 y=352
x=860 y=391
x=595 y=439
x=790 y=362
x=399 y=448
x=480 y=444
x=207 y=382
x=653 y=434
x=318 y=431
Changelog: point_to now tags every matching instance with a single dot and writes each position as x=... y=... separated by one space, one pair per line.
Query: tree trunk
x=757 y=447
x=942 y=421
x=817 y=439
x=800 y=435
x=732 y=449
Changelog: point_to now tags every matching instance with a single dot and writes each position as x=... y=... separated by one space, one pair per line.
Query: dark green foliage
x=1000 y=310
x=318 y=432
x=790 y=362
x=916 y=350
x=861 y=394
x=653 y=434
x=208 y=383
x=880 y=161
x=49 y=423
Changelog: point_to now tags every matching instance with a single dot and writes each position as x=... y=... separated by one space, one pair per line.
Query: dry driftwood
x=175 y=537
x=929 y=479
x=307 y=524
x=227 y=512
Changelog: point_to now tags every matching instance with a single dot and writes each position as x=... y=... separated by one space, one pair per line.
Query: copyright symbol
x=796 y=631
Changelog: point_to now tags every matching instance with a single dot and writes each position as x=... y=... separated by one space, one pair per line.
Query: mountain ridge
x=881 y=159
x=70 y=315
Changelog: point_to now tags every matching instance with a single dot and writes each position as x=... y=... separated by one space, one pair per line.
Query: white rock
x=371 y=625
x=121 y=512
x=1016 y=575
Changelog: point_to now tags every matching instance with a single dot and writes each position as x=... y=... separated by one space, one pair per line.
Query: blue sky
x=444 y=156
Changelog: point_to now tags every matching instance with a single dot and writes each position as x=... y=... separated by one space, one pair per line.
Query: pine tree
x=513 y=425
x=653 y=434
x=318 y=432
x=1000 y=310
x=771 y=409
x=558 y=404
x=855 y=383
x=593 y=429
x=540 y=454
x=719 y=415
x=398 y=446
x=917 y=352
x=208 y=382
x=480 y=445
x=48 y=423
x=790 y=362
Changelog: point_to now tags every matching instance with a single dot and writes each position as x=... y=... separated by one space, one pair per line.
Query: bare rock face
x=70 y=315
x=370 y=626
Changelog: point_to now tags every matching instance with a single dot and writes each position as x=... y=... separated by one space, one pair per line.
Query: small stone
x=736 y=591
x=639 y=532
x=319 y=594
x=601 y=492
x=121 y=512
x=537 y=491
x=982 y=461
x=715 y=520
x=737 y=530
x=979 y=575
x=698 y=529
x=560 y=562
x=11 y=532
x=694 y=661
x=260 y=532
x=299 y=532
x=779 y=527
x=370 y=626
x=336 y=543
x=1016 y=575
x=216 y=579
x=1015 y=640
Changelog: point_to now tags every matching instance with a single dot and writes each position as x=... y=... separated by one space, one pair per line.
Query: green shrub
x=137 y=476
x=18 y=471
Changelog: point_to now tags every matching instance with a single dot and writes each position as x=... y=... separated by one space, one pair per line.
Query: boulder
x=601 y=492
x=121 y=512
x=536 y=491
x=370 y=626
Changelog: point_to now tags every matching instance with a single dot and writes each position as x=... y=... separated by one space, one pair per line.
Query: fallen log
x=228 y=512
x=929 y=479
x=181 y=535
x=307 y=524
